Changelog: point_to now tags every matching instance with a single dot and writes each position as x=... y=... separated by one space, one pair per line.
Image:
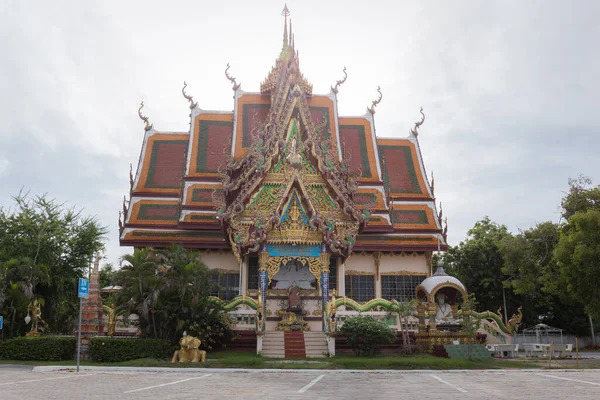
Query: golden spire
x=285 y=14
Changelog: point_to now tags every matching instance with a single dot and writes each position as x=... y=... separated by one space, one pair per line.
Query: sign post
x=83 y=293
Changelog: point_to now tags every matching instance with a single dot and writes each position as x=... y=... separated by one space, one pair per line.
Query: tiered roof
x=193 y=187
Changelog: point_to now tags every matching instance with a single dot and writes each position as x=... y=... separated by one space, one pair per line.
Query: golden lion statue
x=189 y=351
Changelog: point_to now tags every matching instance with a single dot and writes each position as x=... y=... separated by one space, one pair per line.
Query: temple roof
x=182 y=178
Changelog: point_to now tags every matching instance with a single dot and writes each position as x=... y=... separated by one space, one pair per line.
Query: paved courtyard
x=23 y=383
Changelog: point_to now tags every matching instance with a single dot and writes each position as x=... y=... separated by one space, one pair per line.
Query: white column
x=341 y=284
x=243 y=277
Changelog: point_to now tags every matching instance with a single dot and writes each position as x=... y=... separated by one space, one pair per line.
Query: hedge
x=38 y=348
x=117 y=350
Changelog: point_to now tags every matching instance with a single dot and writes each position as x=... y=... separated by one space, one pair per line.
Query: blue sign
x=83 y=290
x=1 y=321
x=286 y=250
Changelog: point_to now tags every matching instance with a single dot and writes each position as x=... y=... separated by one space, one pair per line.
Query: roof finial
x=432 y=184
x=291 y=41
x=445 y=231
x=285 y=14
x=130 y=177
x=236 y=86
x=338 y=83
x=193 y=104
x=415 y=131
x=375 y=102
x=143 y=118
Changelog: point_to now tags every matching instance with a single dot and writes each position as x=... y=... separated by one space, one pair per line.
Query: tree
x=405 y=310
x=578 y=241
x=44 y=248
x=581 y=197
x=529 y=260
x=578 y=256
x=478 y=263
x=470 y=323
x=170 y=290
x=107 y=274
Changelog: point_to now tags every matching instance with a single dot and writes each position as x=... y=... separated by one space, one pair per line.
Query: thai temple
x=308 y=215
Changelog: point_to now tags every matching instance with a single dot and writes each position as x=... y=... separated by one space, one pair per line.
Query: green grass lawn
x=236 y=359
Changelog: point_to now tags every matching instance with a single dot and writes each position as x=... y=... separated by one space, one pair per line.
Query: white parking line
x=166 y=384
x=311 y=384
x=569 y=379
x=449 y=384
x=46 y=379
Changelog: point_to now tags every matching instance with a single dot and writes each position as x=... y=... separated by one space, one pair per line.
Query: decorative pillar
x=243 y=276
x=92 y=323
x=325 y=259
x=432 y=312
x=263 y=260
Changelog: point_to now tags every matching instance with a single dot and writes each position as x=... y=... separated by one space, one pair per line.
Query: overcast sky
x=510 y=90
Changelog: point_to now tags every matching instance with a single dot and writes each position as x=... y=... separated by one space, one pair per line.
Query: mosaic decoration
x=166 y=164
x=399 y=173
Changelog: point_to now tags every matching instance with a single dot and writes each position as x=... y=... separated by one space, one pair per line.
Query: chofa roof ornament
x=143 y=118
x=375 y=102
x=193 y=104
x=231 y=79
x=415 y=131
x=339 y=83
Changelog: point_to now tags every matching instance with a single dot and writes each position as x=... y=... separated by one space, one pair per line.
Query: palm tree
x=141 y=285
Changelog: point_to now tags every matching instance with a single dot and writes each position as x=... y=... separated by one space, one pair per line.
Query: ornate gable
x=290 y=163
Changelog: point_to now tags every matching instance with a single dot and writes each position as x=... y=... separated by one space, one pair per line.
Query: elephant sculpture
x=189 y=351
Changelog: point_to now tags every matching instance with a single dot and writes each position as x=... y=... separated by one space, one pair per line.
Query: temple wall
x=362 y=262
x=221 y=260
x=404 y=263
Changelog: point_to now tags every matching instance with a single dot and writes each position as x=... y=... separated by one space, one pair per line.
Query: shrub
x=118 y=350
x=213 y=329
x=366 y=334
x=38 y=348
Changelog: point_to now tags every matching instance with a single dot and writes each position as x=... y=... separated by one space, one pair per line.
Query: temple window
x=400 y=287
x=252 y=273
x=227 y=286
x=332 y=273
x=360 y=287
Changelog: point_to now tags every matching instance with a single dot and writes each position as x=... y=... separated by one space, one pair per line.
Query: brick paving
x=22 y=383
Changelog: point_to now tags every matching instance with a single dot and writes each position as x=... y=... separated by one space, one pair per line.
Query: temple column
x=263 y=260
x=325 y=259
x=341 y=280
x=243 y=277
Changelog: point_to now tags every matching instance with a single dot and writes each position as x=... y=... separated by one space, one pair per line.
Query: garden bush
x=38 y=348
x=366 y=334
x=118 y=350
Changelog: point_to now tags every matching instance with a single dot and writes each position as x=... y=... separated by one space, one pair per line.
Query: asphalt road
x=23 y=383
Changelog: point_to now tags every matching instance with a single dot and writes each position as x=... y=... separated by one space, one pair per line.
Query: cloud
x=509 y=90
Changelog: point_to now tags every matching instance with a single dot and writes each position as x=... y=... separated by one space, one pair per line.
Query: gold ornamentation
x=377 y=260
x=263 y=261
x=375 y=102
x=193 y=104
x=515 y=320
x=313 y=263
x=354 y=272
x=325 y=258
x=143 y=118
x=404 y=273
x=189 y=351
x=226 y=271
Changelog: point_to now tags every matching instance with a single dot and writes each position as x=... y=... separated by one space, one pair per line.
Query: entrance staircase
x=293 y=343
x=279 y=344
